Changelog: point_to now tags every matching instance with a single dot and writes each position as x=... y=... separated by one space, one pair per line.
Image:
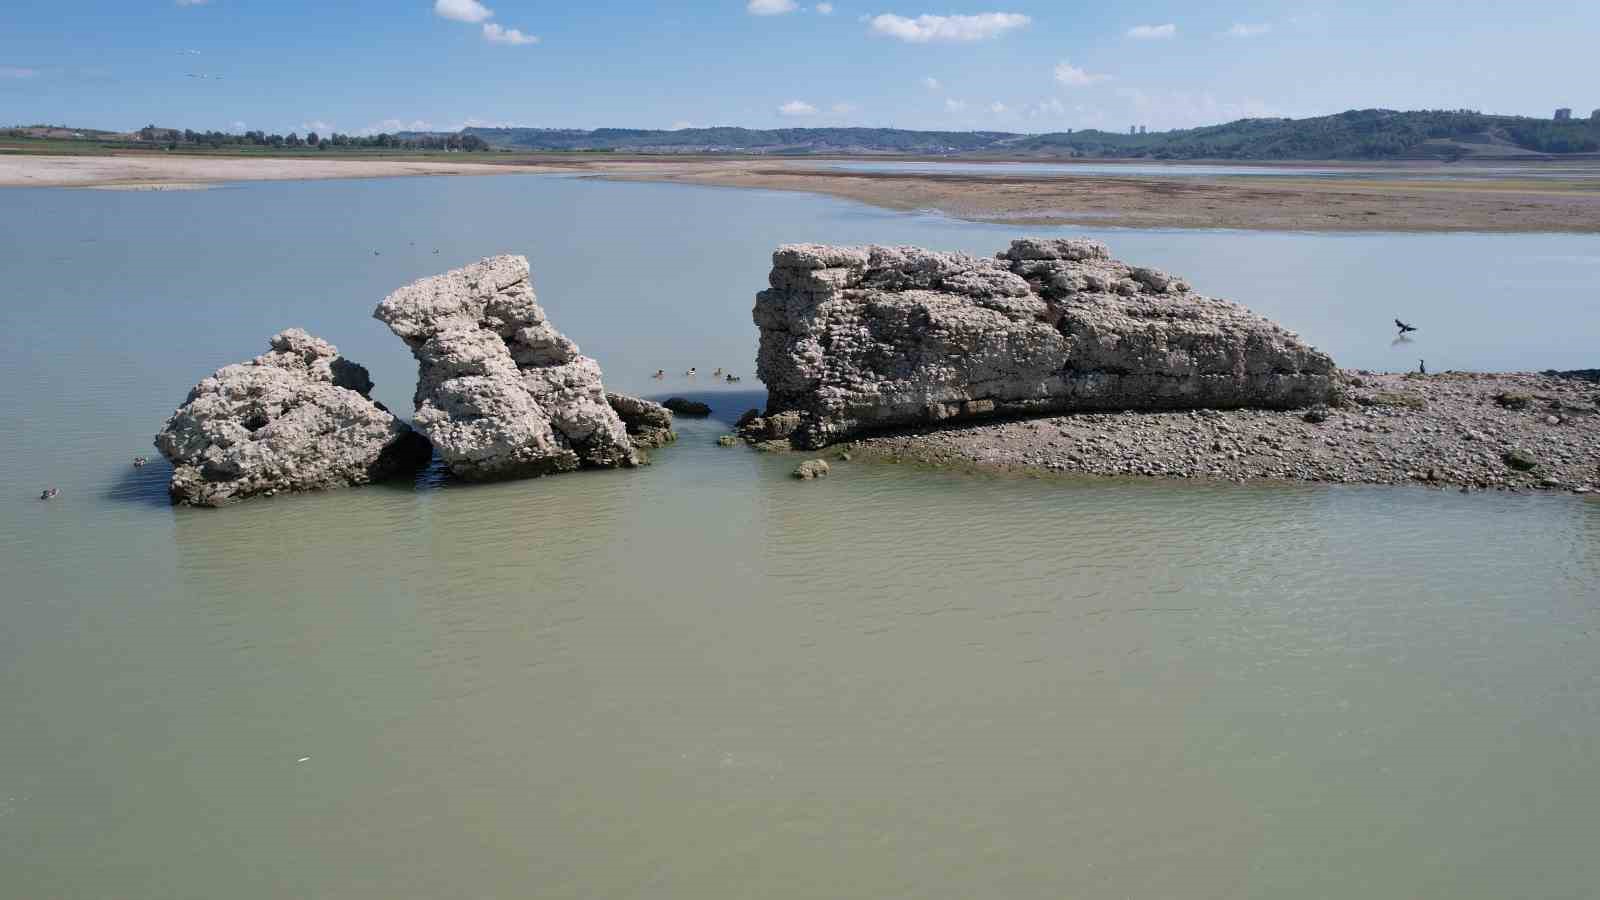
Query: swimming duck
x=139 y=462
x=691 y=372
x=660 y=374
x=49 y=493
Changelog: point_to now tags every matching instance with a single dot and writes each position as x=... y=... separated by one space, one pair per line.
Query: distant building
x=1141 y=129
x=1133 y=129
x=1595 y=116
x=1563 y=114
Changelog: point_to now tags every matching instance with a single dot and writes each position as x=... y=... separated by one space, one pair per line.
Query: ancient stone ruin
x=500 y=392
x=858 y=339
x=297 y=418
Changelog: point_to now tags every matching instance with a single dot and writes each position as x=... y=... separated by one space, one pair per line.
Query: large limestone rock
x=297 y=418
x=500 y=392
x=649 y=424
x=855 y=339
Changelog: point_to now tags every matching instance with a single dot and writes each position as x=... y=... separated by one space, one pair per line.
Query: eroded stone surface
x=858 y=339
x=649 y=424
x=500 y=392
x=297 y=418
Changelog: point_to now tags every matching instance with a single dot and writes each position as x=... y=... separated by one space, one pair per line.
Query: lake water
x=704 y=679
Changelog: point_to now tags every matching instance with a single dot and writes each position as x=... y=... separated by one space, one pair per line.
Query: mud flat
x=1462 y=430
x=1515 y=203
x=1426 y=199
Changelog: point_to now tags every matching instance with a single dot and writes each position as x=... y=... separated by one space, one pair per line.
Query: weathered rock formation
x=856 y=339
x=297 y=418
x=649 y=424
x=500 y=392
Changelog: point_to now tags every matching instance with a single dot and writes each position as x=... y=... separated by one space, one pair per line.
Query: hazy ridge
x=1356 y=135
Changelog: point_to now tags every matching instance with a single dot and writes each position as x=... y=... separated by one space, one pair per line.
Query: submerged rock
x=811 y=468
x=685 y=407
x=649 y=424
x=297 y=418
x=858 y=339
x=500 y=392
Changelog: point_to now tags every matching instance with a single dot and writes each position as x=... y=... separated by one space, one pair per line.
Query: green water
x=705 y=679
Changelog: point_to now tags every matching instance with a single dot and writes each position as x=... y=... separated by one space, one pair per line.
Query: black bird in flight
x=1403 y=327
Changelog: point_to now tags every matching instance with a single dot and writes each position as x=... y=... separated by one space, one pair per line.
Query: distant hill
x=1367 y=134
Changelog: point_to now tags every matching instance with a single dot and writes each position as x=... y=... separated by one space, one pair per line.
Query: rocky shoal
x=1465 y=430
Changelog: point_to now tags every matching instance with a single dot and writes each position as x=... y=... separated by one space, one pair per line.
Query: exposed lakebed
x=703 y=678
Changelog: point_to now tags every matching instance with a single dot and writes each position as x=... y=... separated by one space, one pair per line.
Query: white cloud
x=1051 y=107
x=955 y=106
x=1185 y=109
x=997 y=108
x=17 y=72
x=931 y=83
x=237 y=127
x=843 y=109
x=796 y=108
x=680 y=125
x=470 y=11
x=480 y=123
x=825 y=9
x=192 y=2
x=318 y=126
x=1072 y=76
x=926 y=29
x=496 y=34
x=1153 y=32
x=1248 y=30
x=770 y=7
x=390 y=126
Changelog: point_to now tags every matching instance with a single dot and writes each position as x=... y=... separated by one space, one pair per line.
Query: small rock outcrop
x=648 y=424
x=858 y=339
x=297 y=418
x=500 y=392
x=811 y=468
x=683 y=406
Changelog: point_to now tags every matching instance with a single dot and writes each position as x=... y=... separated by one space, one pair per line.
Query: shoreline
x=162 y=173
x=1244 y=202
x=1467 y=431
x=1535 y=198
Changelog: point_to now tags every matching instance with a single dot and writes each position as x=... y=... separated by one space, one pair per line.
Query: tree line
x=174 y=139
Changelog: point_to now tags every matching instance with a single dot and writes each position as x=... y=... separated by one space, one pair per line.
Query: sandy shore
x=191 y=172
x=1518 y=202
x=1516 y=199
x=1467 y=431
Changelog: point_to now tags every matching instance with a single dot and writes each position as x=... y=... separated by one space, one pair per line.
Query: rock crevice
x=859 y=339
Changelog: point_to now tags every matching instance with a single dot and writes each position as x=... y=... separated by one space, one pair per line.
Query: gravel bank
x=1473 y=431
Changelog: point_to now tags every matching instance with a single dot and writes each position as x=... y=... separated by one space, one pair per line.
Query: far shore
x=1543 y=197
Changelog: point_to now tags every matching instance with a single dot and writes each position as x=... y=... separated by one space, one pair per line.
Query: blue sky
x=364 y=65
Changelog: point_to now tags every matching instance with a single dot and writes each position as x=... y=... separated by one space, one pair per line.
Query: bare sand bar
x=189 y=172
x=1524 y=199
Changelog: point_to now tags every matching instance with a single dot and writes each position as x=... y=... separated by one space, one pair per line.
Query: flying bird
x=1403 y=327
